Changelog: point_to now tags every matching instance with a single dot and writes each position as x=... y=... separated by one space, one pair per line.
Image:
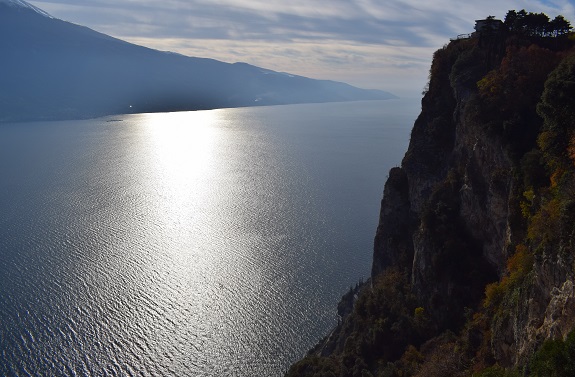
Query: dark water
x=213 y=243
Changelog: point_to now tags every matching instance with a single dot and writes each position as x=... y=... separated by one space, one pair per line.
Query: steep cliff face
x=463 y=173
x=473 y=256
x=455 y=188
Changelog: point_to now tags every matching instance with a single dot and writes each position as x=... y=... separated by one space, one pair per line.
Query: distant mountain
x=52 y=69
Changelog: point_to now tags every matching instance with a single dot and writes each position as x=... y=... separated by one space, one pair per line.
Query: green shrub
x=313 y=366
x=555 y=358
x=497 y=371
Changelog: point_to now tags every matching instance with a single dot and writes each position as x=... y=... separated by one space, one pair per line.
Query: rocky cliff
x=473 y=268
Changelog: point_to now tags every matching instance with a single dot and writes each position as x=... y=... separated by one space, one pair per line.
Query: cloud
x=349 y=39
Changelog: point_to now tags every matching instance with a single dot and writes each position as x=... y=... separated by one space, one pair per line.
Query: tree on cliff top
x=536 y=24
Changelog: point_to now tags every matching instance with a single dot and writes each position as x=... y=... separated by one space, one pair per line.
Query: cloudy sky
x=383 y=44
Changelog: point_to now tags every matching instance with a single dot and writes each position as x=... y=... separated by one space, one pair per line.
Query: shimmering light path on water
x=187 y=244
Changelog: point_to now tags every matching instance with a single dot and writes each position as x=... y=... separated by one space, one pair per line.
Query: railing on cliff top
x=462 y=36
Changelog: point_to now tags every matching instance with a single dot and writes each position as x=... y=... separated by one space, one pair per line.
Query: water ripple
x=188 y=243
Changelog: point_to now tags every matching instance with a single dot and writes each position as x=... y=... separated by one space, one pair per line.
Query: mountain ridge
x=24 y=5
x=59 y=70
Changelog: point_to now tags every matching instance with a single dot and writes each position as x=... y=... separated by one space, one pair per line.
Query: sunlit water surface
x=211 y=243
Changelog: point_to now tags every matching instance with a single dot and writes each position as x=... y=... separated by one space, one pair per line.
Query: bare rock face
x=444 y=212
x=560 y=313
x=485 y=189
x=546 y=310
x=393 y=234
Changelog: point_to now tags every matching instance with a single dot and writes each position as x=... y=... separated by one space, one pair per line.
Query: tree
x=560 y=26
x=558 y=112
x=536 y=24
x=520 y=21
x=555 y=358
x=510 y=20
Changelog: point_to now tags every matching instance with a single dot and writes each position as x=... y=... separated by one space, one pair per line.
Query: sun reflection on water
x=183 y=163
x=182 y=143
x=182 y=152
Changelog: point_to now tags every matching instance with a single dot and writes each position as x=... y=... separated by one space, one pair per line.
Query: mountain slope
x=51 y=69
x=23 y=5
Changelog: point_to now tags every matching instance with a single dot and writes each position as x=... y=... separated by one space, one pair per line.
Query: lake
x=208 y=243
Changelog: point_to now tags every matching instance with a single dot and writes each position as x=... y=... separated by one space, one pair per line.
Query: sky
x=376 y=44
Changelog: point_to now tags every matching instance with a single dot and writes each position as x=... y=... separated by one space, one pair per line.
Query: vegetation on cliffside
x=474 y=258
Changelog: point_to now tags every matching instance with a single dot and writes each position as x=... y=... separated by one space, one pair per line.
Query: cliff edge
x=473 y=267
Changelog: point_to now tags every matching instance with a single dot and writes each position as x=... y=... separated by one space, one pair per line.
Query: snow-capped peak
x=24 y=4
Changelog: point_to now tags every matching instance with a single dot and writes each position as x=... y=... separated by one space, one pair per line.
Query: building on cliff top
x=488 y=25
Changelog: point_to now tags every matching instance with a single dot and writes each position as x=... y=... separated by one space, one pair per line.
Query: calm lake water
x=210 y=243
